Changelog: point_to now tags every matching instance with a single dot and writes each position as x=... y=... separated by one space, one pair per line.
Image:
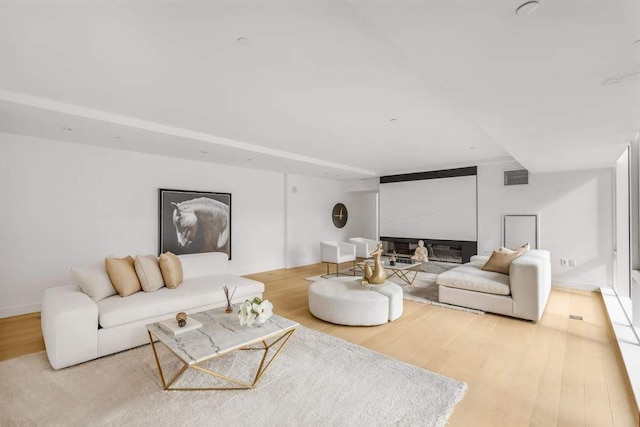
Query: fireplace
x=451 y=251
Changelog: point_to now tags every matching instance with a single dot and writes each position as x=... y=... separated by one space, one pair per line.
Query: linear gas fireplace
x=452 y=251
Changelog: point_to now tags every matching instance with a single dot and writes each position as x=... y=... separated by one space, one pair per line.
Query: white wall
x=576 y=218
x=368 y=215
x=442 y=208
x=309 y=220
x=69 y=204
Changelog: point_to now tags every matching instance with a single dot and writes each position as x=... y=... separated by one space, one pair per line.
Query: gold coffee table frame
x=262 y=367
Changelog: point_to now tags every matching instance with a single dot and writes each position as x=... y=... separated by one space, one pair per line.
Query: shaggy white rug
x=316 y=380
x=424 y=288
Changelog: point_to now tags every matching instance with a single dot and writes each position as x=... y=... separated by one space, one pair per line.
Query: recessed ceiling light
x=117 y=137
x=527 y=8
x=203 y=152
x=285 y=166
x=393 y=120
x=472 y=148
x=66 y=128
x=242 y=40
x=249 y=160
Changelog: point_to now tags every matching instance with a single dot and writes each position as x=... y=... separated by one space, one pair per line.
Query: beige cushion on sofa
x=171 y=269
x=123 y=275
x=522 y=248
x=148 y=271
x=500 y=261
x=94 y=281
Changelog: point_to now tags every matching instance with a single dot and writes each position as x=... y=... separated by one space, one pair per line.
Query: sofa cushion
x=523 y=248
x=192 y=293
x=94 y=281
x=500 y=261
x=479 y=259
x=148 y=271
x=204 y=264
x=123 y=275
x=171 y=269
x=473 y=278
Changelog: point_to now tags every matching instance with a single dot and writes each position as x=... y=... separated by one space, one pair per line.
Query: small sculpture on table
x=181 y=318
x=420 y=254
x=393 y=258
x=377 y=275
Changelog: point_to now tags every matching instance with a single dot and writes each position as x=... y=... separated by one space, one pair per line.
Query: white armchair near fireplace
x=333 y=252
x=364 y=246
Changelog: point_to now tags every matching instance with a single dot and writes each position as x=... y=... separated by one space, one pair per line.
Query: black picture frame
x=194 y=221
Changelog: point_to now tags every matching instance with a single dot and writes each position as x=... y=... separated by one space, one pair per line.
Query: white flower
x=246 y=314
x=255 y=311
x=264 y=310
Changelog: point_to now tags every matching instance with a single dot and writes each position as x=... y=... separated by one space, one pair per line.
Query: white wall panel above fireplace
x=442 y=208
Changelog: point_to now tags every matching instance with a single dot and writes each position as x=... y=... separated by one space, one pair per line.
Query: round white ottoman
x=345 y=302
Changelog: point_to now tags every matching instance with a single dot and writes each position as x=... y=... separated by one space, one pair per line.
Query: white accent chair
x=334 y=252
x=364 y=246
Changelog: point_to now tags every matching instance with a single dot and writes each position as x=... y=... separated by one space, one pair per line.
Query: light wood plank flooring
x=558 y=371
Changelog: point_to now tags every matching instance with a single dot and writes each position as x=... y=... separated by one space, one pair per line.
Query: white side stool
x=344 y=301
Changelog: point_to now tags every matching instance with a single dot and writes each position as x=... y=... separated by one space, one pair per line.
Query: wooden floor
x=557 y=372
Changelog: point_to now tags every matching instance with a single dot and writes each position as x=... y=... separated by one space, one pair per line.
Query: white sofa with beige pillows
x=107 y=309
x=512 y=283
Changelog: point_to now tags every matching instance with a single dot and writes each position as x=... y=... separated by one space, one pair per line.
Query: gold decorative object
x=181 y=318
x=378 y=275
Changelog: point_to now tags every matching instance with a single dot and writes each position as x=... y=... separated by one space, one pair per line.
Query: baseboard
x=18 y=310
x=583 y=286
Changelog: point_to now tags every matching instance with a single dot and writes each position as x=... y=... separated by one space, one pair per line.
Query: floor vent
x=575 y=317
x=517 y=177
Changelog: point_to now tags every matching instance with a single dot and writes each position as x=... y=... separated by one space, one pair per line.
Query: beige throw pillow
x=523 y=248
x=148 y=271
x=94 y=281
x=123 y=275
x=171 y=269
x=500 y=261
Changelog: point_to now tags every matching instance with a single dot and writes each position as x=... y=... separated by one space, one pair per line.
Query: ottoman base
x=346 y=302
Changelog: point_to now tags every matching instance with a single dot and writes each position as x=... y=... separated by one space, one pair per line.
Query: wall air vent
x=517 y=177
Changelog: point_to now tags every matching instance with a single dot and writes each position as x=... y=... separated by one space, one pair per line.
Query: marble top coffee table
x=220 y=334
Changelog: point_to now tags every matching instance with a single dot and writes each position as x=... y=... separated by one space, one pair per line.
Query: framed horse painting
x=194 y=222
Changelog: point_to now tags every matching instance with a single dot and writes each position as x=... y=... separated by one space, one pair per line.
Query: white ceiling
x=315 y=88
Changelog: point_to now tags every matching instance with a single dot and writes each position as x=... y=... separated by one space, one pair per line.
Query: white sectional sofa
x=523 y=293
x=77 y=329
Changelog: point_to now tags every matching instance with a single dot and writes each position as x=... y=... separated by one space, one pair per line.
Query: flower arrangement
x=256 y=311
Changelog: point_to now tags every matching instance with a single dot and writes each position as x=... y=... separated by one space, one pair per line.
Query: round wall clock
x=339 y=215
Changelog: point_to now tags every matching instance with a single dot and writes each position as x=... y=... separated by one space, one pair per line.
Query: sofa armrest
x=363 y=246
x=69 y=320
x=530 y=286
x=347 y=249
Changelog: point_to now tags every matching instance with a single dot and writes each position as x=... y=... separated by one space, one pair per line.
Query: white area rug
x=317 y=380
x=424 y=288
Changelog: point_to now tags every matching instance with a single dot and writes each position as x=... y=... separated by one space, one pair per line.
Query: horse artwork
x=195 y=224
